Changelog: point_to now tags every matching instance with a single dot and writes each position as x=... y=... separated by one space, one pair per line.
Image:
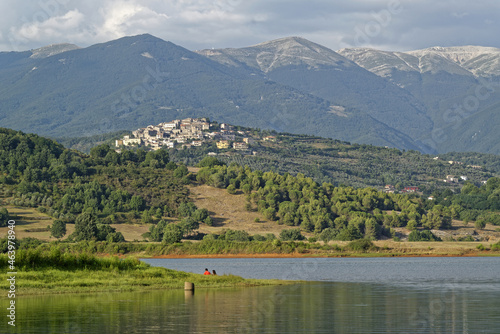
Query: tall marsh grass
x=37 y=258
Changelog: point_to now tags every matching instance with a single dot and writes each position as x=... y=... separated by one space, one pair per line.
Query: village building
x=222 y=144
x=410 y=189
x=240 y=146
x=131 y=141
x=269 y=138
x=248 y=140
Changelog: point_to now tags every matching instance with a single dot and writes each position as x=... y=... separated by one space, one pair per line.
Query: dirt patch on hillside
x=228 y=211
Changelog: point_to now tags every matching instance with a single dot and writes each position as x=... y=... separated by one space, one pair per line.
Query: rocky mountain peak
x=51 y=50
x=288 y=51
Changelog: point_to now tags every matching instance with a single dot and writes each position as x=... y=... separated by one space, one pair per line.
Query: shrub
x=208 y=221
x=328 y=234
x=270 y=237
x=231 y=189
x=210 y=162
x=425 y=235
x=235 y=235
x=291 y=235
x=361 y=245
x=480 y=224
x=115 y=237
x=467 y=238
x=258 y=237
x=210 y=237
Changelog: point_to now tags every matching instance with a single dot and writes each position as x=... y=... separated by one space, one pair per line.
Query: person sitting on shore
x=214 y=273
x=206 y=272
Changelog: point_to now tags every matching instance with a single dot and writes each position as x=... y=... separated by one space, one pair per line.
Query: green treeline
x=90 y=191
x=480 y=204
x=340 y=213
x=93 y=191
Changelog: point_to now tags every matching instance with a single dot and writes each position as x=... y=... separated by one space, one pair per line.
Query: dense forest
x=104 y=187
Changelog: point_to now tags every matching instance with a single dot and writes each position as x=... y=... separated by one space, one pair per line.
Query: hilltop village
x=195 y=132
x=190 y=132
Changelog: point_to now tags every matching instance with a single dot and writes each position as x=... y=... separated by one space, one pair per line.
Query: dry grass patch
x=132 y=232
x=228 y=211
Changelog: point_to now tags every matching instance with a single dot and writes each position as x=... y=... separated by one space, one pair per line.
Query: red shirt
x=207 y=273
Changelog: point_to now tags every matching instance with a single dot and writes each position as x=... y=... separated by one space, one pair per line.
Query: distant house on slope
x=410 y=189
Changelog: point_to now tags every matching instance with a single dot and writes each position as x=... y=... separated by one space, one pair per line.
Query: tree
x=235 y=235
x=156 y=231
x=146 y=217
x=4 y=217
x=291 y=235
x=247 y=188
x=99 y=151
x=328 y=234
x=180 y=171
x=137 y=203
x=85 y=227
x=349 y=233
x=231 y=189
x=412 y=225
x=425 y=235
x=58 y=229
x=188 y=225
x=372 y=229
x=480 y=224
x=103 y=230
x=186 y=209
x=115 y=237
x=200 y=215
x=210 y=162
x=270 y=213
x=172 y=234
x=208 y=221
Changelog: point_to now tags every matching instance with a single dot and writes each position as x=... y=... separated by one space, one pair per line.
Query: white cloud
x=53 y=26
x=198 y=24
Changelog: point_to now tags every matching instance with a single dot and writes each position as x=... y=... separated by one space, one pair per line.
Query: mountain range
x=432 y=100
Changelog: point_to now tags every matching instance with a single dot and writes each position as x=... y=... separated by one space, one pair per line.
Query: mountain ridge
x=290 y=84
x=140 y=80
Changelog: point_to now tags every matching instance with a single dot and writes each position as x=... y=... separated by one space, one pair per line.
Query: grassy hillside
x=342 y=163
x=130 y=196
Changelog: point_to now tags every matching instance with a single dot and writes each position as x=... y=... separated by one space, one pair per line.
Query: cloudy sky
x=198 y=24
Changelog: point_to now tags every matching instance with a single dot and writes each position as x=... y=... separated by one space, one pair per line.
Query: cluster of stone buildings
x=187 y=133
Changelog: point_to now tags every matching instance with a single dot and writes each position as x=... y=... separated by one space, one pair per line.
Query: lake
x=344 y=295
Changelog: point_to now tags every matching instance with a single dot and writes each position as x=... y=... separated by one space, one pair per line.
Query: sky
x=393 y=25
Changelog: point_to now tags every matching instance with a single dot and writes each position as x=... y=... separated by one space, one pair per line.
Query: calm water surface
x=401 y=295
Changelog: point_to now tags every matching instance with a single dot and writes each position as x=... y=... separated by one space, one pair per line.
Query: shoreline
x=298 y=256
